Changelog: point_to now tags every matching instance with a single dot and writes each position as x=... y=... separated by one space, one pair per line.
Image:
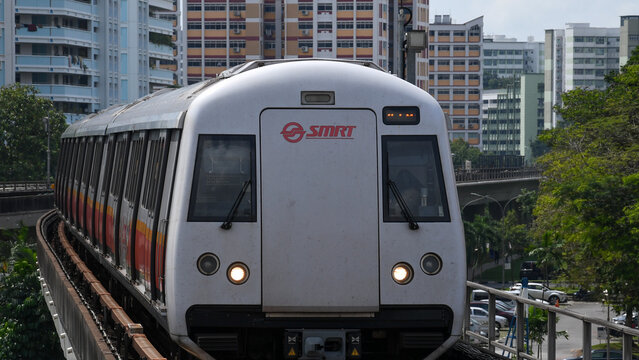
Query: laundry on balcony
x=31 y=27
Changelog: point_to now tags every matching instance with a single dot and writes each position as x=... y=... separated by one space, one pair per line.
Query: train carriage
x=287 y=209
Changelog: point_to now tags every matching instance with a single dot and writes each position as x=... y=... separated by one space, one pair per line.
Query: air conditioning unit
x=237 y=31
x=304 y=12
x=236 y=50
x=237 y=13
x=305 y=32
x=305 y=49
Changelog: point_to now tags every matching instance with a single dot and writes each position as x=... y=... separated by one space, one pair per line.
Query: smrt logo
x=294 y=132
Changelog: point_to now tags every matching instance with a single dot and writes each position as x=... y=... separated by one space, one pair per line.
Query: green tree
x=589 y=195
x=26 y=328
x=23 y=135
x=462 y=152
x=482 y=234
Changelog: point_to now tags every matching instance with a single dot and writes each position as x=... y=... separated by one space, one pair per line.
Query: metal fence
x=24 y=186
x=489 y=174
x=519 y=351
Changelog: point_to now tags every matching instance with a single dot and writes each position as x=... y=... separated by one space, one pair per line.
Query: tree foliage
x=26 y=328
x=589 y=196
x=462 y=152
x=23 y=135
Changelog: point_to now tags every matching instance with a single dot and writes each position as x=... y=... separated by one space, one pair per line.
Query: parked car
x=481 y=315
x=621 y=319
x=539 y=291
x=499 y=309
x=481 y=329
x=601 y=354
x=481 y=295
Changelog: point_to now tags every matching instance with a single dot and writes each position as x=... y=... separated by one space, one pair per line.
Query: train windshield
x=411 y=164
x=224 y=173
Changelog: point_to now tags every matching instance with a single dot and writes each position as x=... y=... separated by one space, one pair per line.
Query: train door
x=319 y=190
x=75 y=198
x=92 y=191
x=104 y=186
x=129 y=208
x=84 y=183
x=68 y=186
x=145 y=232
x=164 y=205
x=120 y=157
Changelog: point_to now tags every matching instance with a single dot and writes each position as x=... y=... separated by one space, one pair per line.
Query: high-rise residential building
x=628 y=37
x=531 y=113
x=86 y=55
x=577 y=56
x=501 y=120
x=507 y=57
x=222 y=34
x=513 y=116
x=455 y=74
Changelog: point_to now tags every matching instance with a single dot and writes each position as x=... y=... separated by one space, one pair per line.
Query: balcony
x=161 y=26
x=72 y=6
x=161 y=76
x=68 y=93
x=55 y=35
x=160 y=51
x=59 y=64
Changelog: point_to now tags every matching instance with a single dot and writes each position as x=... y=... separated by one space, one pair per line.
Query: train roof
x=167 y=108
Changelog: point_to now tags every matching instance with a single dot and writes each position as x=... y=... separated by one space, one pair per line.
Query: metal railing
x=24 y=186
x=519 y=350
x=489 y=174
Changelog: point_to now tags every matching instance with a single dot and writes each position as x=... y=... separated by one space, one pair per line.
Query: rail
x=519 y=350
x=24 y=186
x=125 y=337
x=474 y=175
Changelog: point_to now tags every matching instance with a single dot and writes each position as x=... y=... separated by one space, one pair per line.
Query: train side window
x=224 y=171
x=412 y=165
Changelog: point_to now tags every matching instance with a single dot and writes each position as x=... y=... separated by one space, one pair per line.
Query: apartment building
x=577 y=56
x=513 y=116
x=455 y=74
x=507 y=57
x=628 y=37
x=84 y=55
x=223 y=34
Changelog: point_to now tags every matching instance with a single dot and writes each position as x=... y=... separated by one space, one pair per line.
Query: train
x=287 y=209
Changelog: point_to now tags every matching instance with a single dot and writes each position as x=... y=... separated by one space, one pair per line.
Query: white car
x=481 y=316
x=539 y=291
x=481 y=329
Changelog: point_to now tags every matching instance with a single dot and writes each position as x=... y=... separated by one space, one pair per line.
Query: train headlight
x=208 y=264
x=402 y=273
x=237 y=273
x=431 y=263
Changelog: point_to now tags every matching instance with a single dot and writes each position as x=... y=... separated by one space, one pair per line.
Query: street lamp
x=503 y=215
x=46 y=127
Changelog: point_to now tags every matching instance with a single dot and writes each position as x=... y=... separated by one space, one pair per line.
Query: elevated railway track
x=95 y=322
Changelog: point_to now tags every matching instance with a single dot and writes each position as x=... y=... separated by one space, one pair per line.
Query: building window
x=364 y=43
x=344 y=24
x=344 y=43
x=364 y=24
x=214 y=7
x=345 y=6
x=364 y=6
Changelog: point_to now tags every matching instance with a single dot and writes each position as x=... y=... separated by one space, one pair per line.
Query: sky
x=522 y=18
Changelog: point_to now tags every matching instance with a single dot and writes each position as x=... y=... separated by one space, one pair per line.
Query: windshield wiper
x=229 y=218
x=412 y=224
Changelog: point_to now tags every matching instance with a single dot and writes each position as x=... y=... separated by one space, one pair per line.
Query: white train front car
x=314 y=215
